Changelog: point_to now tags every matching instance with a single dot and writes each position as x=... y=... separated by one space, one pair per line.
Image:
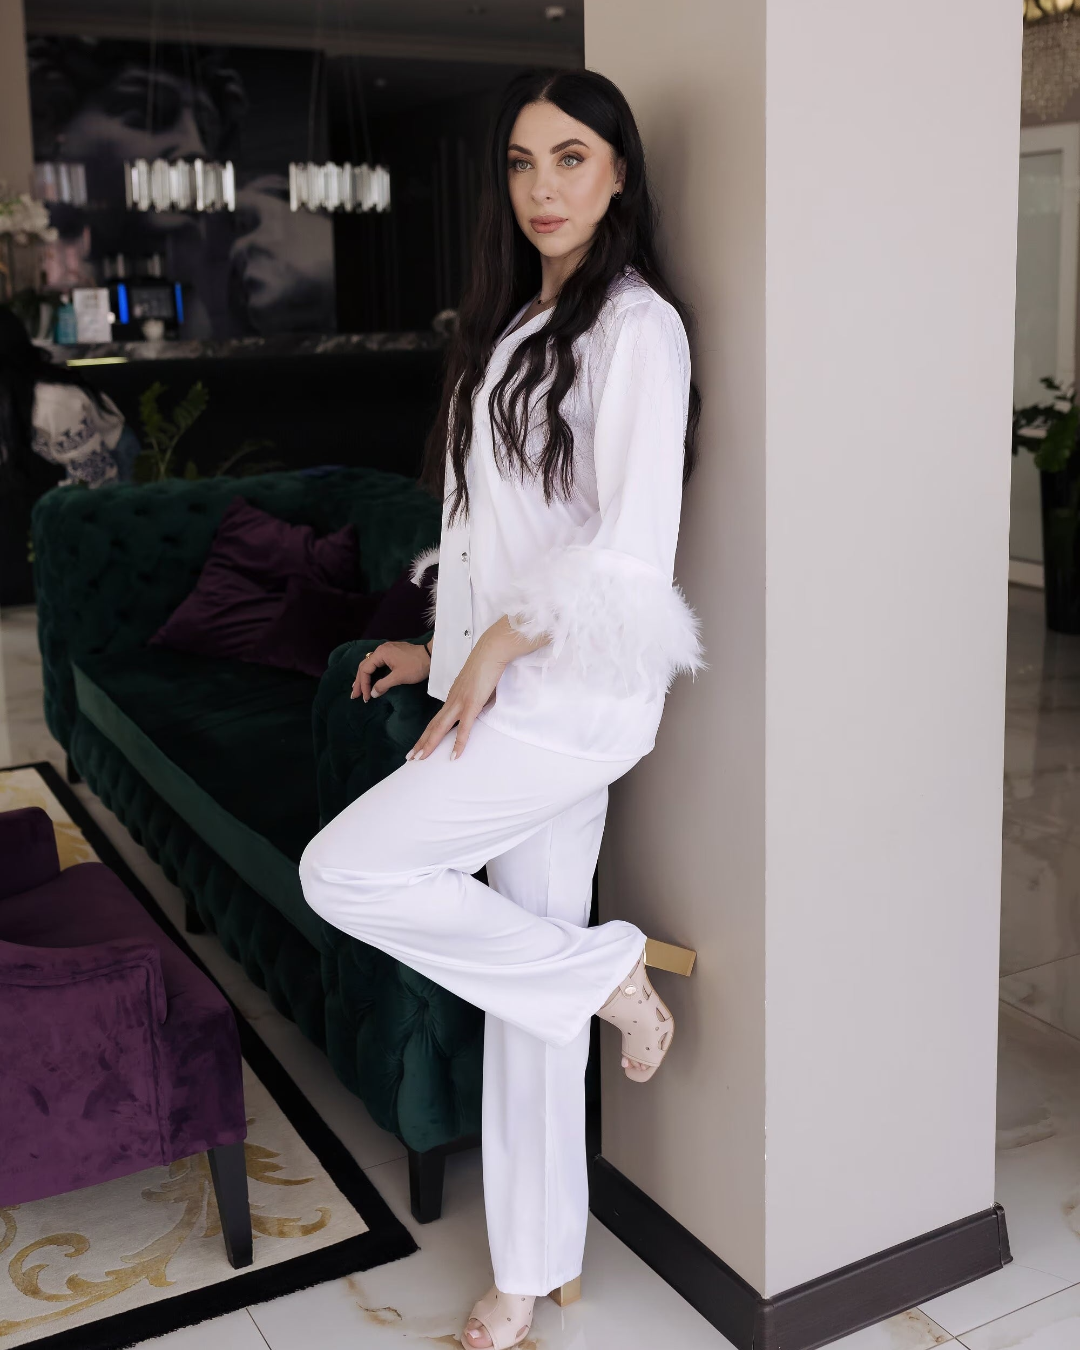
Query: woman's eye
x=519 y=165
x=574 y=159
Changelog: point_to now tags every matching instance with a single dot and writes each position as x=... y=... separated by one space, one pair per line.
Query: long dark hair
x=506 y=273
x=22 y=366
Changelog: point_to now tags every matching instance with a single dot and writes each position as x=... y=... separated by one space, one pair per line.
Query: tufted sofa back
x=111 y=565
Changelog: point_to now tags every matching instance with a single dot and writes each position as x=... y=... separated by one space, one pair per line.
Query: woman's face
x=141 y=115
x=144 y=115
x=283 y=261
x=561 y=176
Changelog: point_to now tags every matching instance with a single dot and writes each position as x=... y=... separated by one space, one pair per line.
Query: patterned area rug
x=130 y=1259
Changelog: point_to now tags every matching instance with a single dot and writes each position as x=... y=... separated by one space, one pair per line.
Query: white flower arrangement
x=24 y=218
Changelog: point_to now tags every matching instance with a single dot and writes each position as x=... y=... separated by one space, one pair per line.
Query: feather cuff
x=611 y=616
x=419 y=565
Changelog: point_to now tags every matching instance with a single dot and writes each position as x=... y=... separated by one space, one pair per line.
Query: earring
x=616 y=194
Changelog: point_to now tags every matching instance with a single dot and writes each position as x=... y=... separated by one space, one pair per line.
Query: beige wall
x=16 y=147
x=822 y=815
x=685 y=848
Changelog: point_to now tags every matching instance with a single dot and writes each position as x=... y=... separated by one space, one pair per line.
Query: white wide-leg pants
x=395 y=870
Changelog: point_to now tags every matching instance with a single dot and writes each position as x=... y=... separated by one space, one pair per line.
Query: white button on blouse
x=595 y=572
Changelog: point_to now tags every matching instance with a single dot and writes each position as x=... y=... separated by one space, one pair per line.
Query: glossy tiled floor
x=1034 y=1304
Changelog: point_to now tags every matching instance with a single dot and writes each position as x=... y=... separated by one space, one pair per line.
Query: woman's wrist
x=506 y=643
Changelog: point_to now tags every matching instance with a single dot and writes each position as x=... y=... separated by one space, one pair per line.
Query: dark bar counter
x=284 y=344
x=365 y=399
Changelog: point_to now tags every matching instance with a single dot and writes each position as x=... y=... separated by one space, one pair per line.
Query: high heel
x=510 y=1315
x=506 y=1318
x=645 y=1020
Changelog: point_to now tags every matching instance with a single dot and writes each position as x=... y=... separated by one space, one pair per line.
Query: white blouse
x=70 y=429
x=594 y=572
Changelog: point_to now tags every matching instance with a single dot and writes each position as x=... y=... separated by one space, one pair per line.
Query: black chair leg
x=229 y=1171
x=71 y=772
x=426 y=1172
x=192 y=923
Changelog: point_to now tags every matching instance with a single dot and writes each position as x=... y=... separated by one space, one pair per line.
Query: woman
x=560 y=452
x=50 y=413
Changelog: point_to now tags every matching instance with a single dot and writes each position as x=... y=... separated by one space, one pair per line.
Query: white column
x=821 y=818
x=16 y=145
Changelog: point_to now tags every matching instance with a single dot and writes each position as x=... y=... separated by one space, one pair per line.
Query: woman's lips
x=545 y=224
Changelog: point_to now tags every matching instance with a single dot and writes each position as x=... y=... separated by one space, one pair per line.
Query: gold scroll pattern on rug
x=187 y=1184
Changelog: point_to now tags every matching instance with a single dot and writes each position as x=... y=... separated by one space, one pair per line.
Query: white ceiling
x=508 y=31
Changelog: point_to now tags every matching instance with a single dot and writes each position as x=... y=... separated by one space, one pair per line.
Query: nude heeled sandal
x=507 y=1319
x=645 y=1020
x=497 y=1312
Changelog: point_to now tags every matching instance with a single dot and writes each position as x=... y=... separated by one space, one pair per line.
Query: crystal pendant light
x=339 y=187
x=60 y=181
x=179 y=185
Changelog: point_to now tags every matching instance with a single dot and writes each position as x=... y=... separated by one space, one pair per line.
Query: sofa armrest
x=28 y=855
x=356 y=743
x=131 y=963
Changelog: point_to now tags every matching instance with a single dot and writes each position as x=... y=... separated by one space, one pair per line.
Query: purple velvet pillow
x=403 y=609
x=242 y=585
x=312 y=621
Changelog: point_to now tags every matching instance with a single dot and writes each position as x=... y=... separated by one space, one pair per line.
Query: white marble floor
x=1034 y=1304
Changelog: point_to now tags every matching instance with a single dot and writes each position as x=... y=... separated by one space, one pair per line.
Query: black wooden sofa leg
x=71 y=771
x=192 y=923
x=426 y=1172
x=229 y=1171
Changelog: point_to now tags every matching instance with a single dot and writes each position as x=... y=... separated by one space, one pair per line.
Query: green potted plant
x=161 y=433
x=1049 y=431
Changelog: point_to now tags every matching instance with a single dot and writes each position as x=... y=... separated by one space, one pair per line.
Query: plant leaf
x=1059 y=442
x=150 y=414
x=247 y=447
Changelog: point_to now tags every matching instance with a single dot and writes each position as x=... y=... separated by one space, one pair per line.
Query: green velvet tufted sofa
x=224 y=770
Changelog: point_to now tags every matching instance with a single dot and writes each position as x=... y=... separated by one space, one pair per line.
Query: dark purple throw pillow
x=242 y=585
x=312 y=621
x=403 y=609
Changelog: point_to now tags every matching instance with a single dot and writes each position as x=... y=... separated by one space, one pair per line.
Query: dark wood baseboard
x=812 y=1314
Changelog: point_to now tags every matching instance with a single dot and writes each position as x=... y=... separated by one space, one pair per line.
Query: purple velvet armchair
x=116 y=1051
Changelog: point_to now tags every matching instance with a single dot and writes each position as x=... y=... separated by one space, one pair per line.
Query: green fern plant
x=162 y=434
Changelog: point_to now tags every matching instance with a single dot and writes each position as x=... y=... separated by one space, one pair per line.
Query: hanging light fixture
x=179 y=185
x=339 y=187
x=1040 y=9
x=60 y=181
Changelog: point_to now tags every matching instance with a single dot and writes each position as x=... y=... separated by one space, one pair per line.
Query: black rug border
x=387 y=1238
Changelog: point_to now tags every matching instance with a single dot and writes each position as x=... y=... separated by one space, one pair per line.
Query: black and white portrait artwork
x=260 y=270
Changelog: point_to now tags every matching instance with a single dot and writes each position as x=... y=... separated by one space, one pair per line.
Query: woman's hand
x=408 y=663
x=472 y=690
